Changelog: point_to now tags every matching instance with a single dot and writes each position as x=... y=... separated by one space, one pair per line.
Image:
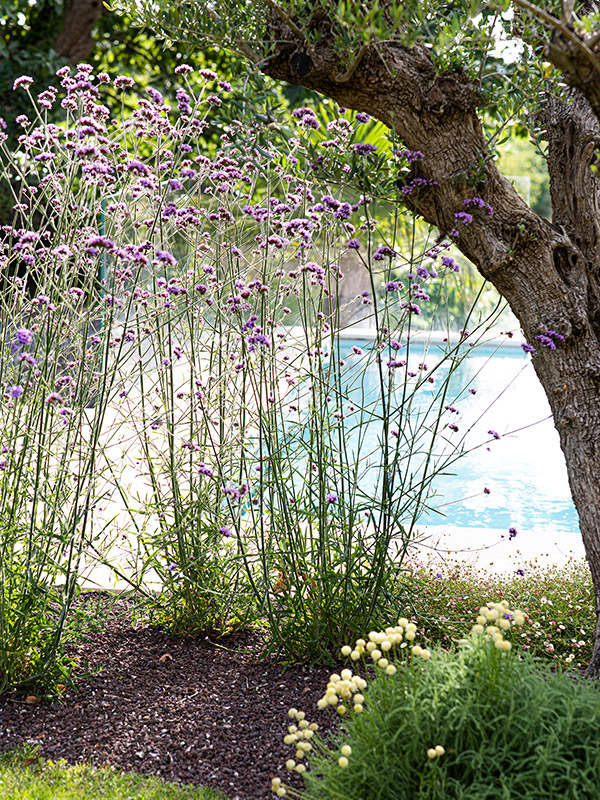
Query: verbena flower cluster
x=172 y=367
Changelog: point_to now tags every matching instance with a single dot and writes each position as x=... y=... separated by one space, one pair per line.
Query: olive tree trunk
x=548 y=272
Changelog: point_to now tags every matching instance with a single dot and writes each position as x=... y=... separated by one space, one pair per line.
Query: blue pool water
x=524 y=469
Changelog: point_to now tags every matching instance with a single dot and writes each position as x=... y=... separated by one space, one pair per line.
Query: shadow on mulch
x=207 y=715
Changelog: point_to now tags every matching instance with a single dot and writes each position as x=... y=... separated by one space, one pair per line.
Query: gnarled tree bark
x=548 y=272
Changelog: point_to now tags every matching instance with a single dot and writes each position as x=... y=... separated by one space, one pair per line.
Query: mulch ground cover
x=187 y=709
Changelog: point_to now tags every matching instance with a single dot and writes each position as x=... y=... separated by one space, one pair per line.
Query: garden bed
x=208 y=713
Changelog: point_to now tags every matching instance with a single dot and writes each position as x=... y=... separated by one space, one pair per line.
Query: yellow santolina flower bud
x=386 y=645
x=359 y=698
x=313 y=726
x=300 y=768
x=292 y=712
x=477 y=629
x=439 y=750
x=303 y=724
x=290 y=764
x=275 y=783
x=417 y=650
x=383 y=662
x=492 y=629
x=361 y=643
x=519 y=619
x=391 y=669
x=299 y=754
x=373 y=636
x=346 y=675
x=409 y=636
x=403 y=622
x=425 y=654
x=281 y=792
x=341 y=710
x=308 y=734
x=346 y=750
x=343 y=761
x=499 y=644
x=346 y=650
x=504 y=624
x=322 y=703
x=355 y=655
x=290 y=739
x=431 y=753
x=371 y=646
x=331 y=699
x=358 y=708
x=506 y=645
x=292 y=728
x=300 y=715
x=376 y=655
x=481 y=620
x=334 y=678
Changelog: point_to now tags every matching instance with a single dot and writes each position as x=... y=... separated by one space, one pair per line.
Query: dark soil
x=213 y=713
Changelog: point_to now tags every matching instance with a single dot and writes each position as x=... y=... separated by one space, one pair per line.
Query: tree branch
x=560 y=26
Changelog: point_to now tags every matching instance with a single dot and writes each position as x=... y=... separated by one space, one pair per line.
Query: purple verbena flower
x=165 y=257
x=23 y=82
x=364 y=148
x=23 y=336
x=383 y=252
x=332 y=498
x=495 y=434
x=512 y=532
x=15 y=392
x=448 y=261
x=123 y=82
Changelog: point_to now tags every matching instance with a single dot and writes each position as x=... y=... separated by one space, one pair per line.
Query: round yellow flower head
x=346 y=650
x=346 y=750
x=343 y=761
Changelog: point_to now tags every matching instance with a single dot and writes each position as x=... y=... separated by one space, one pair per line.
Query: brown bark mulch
x=206 y=715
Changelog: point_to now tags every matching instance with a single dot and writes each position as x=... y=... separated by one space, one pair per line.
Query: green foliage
x=505 y=727
x=24 y=776
x=202 y=589
x=518 y=159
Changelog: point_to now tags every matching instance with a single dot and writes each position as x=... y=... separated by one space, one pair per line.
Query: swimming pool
x=523 y=471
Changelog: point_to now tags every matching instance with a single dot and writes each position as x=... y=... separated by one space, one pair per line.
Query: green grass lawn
x=46 y=780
